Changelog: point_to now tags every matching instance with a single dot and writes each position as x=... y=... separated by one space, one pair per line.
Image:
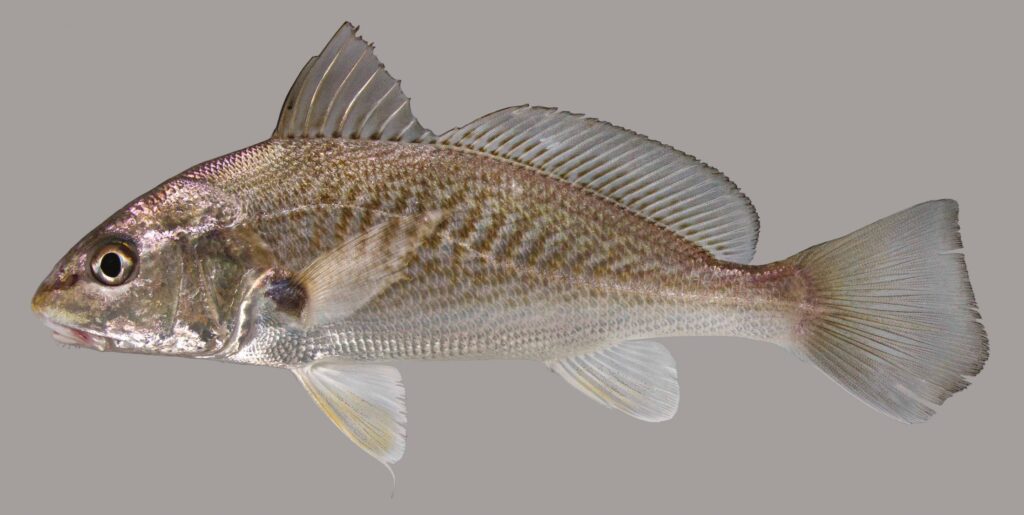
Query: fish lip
x=78 y=337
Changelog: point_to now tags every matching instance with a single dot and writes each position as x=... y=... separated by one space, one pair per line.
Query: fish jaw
x=78 y=337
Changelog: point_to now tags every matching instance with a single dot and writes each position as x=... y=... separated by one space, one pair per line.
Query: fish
x=355 y=238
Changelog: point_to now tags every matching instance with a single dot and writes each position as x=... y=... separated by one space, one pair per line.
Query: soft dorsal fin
x=345 y=93
x=655 y=181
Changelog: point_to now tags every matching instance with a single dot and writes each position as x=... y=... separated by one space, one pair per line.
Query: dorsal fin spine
x=346 y=92
x=376 y=113
x=335 y=47
x=287 y=110
x=347 y=115
x=405 y=129
x=390 y=119
x=317 y=92
x=330 y=118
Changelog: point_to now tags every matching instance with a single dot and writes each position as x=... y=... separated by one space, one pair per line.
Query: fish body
x=520 y=266
x=354 y=237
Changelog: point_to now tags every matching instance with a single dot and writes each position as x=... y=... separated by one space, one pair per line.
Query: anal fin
x=366 y=402
x=636 y=377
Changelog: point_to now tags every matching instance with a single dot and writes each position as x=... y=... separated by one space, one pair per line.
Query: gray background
x=827 y=117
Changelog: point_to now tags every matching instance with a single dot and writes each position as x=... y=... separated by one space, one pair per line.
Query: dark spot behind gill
x=289 y=296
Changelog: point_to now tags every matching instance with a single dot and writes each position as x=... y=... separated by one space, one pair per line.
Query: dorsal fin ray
x=652 y=180
x=345 y=93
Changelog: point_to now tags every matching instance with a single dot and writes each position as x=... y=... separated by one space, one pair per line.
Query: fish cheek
x=217 y=273
x=169 y=308
x=144 y=308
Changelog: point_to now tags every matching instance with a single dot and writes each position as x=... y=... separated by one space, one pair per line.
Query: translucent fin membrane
x=894 y=319
x=366 y=402
x=345 y=93
x=637 y=378
x=652 y=180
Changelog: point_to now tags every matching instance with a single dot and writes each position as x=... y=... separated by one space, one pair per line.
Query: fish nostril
x=65 y=281
x=61 y=281
x=43 y=295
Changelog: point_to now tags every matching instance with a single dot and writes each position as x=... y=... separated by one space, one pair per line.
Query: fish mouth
x=78 y=337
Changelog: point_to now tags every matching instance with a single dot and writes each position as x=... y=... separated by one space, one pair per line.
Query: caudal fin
x=892 y=317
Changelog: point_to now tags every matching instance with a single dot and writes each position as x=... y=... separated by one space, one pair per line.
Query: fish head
x=143 y=281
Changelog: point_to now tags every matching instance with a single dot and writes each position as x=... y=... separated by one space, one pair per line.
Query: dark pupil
x=110 y=265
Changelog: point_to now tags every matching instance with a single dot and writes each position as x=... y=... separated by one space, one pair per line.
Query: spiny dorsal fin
x=345 y=93
x=652 y=180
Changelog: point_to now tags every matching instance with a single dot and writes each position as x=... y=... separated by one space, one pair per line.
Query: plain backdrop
x=828 y=116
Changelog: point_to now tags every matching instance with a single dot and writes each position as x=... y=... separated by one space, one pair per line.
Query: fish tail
x=889 y=313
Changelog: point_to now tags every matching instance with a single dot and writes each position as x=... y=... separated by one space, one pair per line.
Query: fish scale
x=459 y=281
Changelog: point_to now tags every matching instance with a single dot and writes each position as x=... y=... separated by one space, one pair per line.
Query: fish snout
x=49 y=301
x=61 y=278
x=44 y=305
x=42 y=297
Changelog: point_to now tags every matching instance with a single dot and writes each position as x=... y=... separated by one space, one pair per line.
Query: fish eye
x=113 y=263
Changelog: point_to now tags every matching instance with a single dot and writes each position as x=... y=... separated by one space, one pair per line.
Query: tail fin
x=893 y=318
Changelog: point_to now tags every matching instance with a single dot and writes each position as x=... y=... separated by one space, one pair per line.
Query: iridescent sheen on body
x=354 y=235
x=522 y=266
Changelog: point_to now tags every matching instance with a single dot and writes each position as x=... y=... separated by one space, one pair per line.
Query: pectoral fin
x=341 y=281
x=637 y=378
x=367 y=402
